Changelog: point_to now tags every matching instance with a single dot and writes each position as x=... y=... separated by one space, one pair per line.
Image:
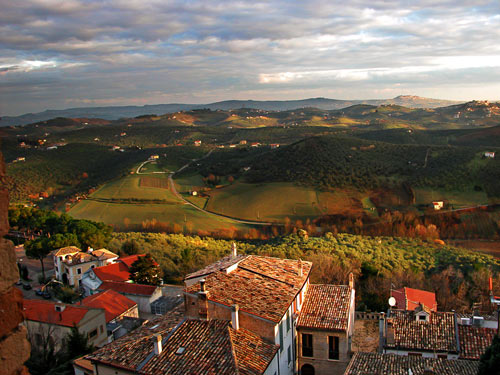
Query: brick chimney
x=235 y=317
x=203 y=301
x=157 y=344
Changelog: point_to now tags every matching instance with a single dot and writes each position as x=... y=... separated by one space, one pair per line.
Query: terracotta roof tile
x=113 y=303
x=45 y=311
x=409 y=298
x=66 y=250
x=212 y=347
x=405 y=332
x=131 y=350
x=128 y=288
x=259 y=285
x=253 y=354
x=102 y=254
x=474 y=340
x=131 y=259
x=326 y=307
x=79 y=258
x=220 y=265
x=393 y=364
x=113 y=272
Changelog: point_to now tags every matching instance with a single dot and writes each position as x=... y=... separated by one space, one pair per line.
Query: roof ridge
x=233 y=350
x=264 y=275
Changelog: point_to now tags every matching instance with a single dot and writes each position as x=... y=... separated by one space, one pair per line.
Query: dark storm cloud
x=85 y=52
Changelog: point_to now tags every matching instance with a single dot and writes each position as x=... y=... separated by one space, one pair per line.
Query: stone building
x=324 y=329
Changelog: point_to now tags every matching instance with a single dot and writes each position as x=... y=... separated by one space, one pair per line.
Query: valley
x=241 y=172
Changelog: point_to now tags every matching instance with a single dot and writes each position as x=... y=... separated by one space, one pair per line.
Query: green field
x=126 y=216
x=129 y=188
x=273 y=201
x=106 y=205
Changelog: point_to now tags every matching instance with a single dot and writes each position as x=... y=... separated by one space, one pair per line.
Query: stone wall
x=14 y=347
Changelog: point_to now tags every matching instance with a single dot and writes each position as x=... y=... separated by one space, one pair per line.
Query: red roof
x=128 y=288
x=409 y=298
x=115 y=272
x=113 y=303
x=131 y=259
x=45 y=311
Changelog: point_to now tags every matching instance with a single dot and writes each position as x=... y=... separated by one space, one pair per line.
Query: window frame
x=308 y=354
x=333 y=350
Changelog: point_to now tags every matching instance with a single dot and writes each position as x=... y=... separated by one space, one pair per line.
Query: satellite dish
x=392 y=301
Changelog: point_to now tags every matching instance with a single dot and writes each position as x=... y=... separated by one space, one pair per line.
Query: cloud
x=210 y=50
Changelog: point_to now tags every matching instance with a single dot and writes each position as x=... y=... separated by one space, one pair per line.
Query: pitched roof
x=212 y=347
x=66 y=250
x=128 y=288
x=113 y=303
x=131 y=259
x=129 y=351
x=45 y=312
x=382 y=364
x=409 y=298
x=474 y=340
x=220 y=265
x=262 y=286
x=326 y=307
x=438 y=334
x=102 y=254
x=78 y=258
x=114 y=272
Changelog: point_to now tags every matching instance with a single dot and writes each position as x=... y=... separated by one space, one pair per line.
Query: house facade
x=50 y=322
x=71 y=263
x=325 y=328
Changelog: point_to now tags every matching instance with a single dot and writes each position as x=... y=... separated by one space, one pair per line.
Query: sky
x=57 y=54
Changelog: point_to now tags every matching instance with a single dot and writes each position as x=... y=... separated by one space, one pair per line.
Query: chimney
x=157 y=343
x=381 y=329
x=351 y=280
x=90 y=249
x=203 y=301
x=235 y=317
x=234 y=251
x=300 y=268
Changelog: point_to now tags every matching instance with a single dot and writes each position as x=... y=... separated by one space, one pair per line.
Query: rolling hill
x=117 y=112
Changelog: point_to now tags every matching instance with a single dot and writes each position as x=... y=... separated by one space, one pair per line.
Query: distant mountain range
x=117 y=112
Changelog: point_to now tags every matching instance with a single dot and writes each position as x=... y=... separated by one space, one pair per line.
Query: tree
x=145 y=271
x=489 y=364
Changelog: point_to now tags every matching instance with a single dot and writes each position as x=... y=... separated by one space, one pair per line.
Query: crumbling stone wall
x=14 y=347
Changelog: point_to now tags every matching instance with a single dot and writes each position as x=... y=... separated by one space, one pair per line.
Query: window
x=281 y=336
x=79 y=271
x=443 y=356
x=288 y=316
x=415 y=354
x=289 y=353
x=92 y=266
x=93 y=334
x=333 y=347
x=102 y=328
x=307 y=345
